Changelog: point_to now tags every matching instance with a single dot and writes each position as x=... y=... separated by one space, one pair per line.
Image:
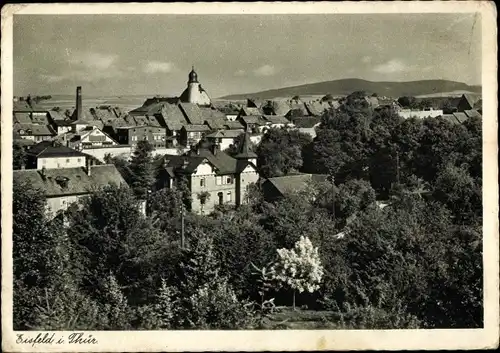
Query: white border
x=127 y=341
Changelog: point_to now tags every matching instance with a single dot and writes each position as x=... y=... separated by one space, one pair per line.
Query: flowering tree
x=299 y=268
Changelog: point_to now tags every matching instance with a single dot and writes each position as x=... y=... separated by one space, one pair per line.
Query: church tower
x=194 y=93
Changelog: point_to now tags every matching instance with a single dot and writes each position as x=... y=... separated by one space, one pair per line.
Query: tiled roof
x=306 y=122
x=213 y=118
x=298 y=108
x=473 y=113
x=450 y=118
x=248 y=111
x=278 y=107
x=253 y=119
x=316 y=108
x=226 y=133
x=56 y=116
x=194 y=128
x=50 y=149
x=34 y=130
x=232 y=125
x=471 y=100
x=22 y=118
x=192 y=113
x=23 y=106
x=70 y=181
x=222 y=162
x=276 y=119
x=461 y=117
x=172 y=117
x=39 y=119
x=294 y=183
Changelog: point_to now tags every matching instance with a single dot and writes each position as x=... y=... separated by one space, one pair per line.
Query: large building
x=64 y=186
x=213 y=177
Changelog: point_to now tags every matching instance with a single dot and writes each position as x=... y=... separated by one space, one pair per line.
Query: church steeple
x=244 y=150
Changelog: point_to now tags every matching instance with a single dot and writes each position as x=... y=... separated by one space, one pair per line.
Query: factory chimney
x=78 y=103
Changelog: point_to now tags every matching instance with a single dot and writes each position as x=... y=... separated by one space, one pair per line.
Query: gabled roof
x=233 y=125
x=22 y=118
x=77 y=181
x=192 y=112
x=23 y=106
x=299 y=109
x=225 y=134
x=196 y=128
x=140 y=120
x=249 y=111
x=278 y=107
x=461 y=117
x=56 y=115
x=213 y=118
x=276 y=119
x=471 y=100
x=86 y=115
x=294 y=183
x=315 y=108
x=172 y=117
x=33 y=130
x=306 y=122
x=473 y=113
x=253 y=119
x=187 y=163
x=450 y=118
x=46 y=149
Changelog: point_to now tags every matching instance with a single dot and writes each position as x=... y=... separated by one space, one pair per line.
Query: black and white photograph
x=248 y=172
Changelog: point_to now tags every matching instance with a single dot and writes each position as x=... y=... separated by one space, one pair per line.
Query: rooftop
x=70 y=181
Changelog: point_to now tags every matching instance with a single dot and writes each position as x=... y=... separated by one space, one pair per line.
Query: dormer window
x=62 y=181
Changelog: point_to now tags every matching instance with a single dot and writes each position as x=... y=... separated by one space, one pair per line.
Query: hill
x=347 y=86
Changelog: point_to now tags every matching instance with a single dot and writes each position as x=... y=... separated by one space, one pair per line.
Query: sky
x=152 y=54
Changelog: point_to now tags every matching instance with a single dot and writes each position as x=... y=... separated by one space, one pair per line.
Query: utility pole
x=397 y=166
x=182 y=226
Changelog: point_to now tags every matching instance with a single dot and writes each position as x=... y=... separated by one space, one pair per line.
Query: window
x=202 y=182
x=218 y=180
x=229 y=180
x=79 y=160
x=67 y=160
x=229 y=196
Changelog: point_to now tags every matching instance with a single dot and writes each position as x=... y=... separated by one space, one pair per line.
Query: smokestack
x=78 y=103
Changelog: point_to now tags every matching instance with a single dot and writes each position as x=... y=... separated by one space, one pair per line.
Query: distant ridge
x=347 y=86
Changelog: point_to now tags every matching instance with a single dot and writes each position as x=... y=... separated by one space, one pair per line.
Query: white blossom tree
x=299 y=268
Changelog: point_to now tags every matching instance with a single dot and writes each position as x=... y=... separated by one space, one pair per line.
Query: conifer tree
x=142 y=169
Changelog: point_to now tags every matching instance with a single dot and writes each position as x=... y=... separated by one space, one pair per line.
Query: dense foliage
x=417 y=262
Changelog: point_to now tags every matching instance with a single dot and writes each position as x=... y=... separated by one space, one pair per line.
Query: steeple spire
x=244 y=150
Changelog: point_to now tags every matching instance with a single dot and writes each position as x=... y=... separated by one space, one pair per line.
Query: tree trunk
x=294 y=300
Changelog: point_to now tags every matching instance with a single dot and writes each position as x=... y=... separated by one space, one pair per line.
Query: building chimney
x=88 y=166
x=215 y=148
x=78 y=103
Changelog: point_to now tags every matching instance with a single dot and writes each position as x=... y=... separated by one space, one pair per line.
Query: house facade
x=131 y=135
x=213 y=177
x=52 y=155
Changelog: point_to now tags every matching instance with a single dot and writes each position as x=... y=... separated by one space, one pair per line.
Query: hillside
x=347 y=86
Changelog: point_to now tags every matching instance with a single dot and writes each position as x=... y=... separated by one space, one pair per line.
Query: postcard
x=276 y=176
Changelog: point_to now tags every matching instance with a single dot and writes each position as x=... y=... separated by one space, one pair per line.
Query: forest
x=331 y=249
